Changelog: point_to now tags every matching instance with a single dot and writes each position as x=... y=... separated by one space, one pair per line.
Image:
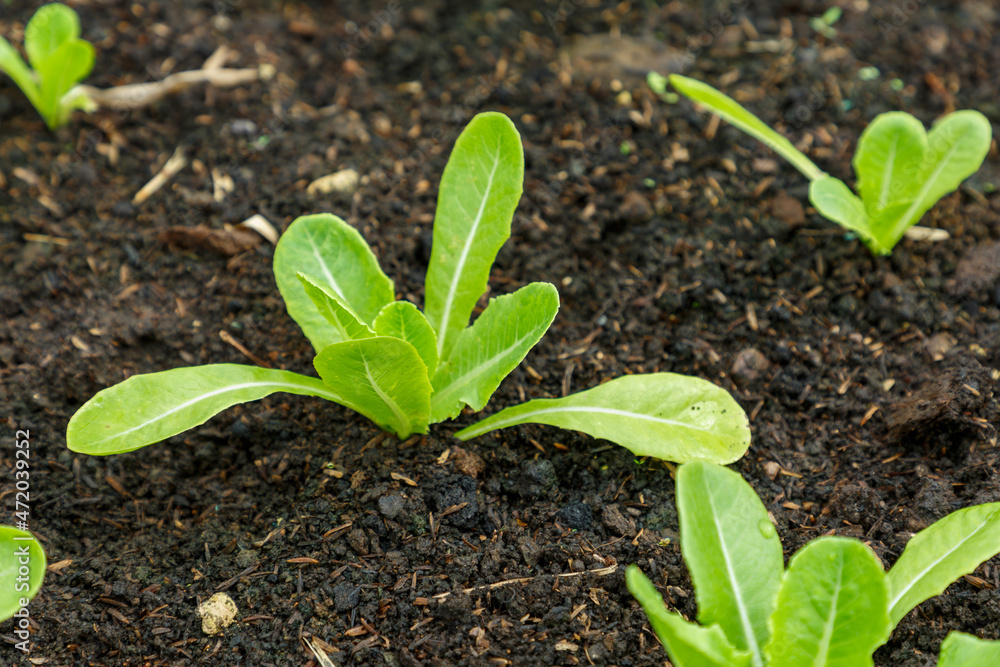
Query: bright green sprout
x=405 y=369
x=833 y=605
x=824 y=24
x=902 y=171
x=658 y=84
x=868 y=73
x=59 y=60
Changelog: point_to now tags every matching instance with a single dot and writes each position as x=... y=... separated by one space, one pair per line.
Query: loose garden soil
x=677 y=244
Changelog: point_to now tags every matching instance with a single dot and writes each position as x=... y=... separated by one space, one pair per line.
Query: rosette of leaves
x=902 y=170
x=58 y=59
x=405 y=369
x=831 y=607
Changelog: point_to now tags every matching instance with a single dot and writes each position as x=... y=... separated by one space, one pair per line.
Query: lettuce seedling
x=22 y=569
x=59 y=60
x=902 y=171
x=833 y=605
x=405 y=369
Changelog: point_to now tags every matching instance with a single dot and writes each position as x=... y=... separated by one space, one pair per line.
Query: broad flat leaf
x=835 y=201
x=345 y=324
x=152 y=407
x=13 y=542
x=49 y=29
x=831 y=609
x=688 y=644
x=479 y=191
x=491 y=348
x=961 y=650
x=736 y=115
x=889 y=160
x=382 y=378
x=665 y=415
x=733 y=553
x=71 y=63
x=403 y=320
x=18 y=70
x=956 y=148
x=941 y=553
x=328 y=248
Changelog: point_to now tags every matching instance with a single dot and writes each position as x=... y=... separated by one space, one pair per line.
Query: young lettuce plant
x=59 y=60
x=405 y=369
x=832 y=607
x=902 y=171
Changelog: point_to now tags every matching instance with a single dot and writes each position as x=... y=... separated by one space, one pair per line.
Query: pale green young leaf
x=941 y=553
x=664 y=415
x=345 y=323
x=889 y=160
x=961 y=650
x=835 y=201
x=479 y=191
x=71 y=63
x=832 y=607
x=736 y=115
x=688 y=644
x=328 y=248
x=12 y=543
x=956 y=148
x=18 y=70
x=148 y=408
x=403 y=320
x=732 y=551
x=382 y=378
x=491 y=348
x=51 y=27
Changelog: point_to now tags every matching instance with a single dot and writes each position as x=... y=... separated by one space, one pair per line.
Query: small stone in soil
x=788 y=209
x=635 y=208
x=749 y=365
x=243 y=128
x=391 y=506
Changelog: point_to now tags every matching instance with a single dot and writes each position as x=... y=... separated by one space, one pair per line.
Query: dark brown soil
x=869 y=381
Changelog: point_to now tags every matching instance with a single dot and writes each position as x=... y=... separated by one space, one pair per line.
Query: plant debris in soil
x=678 y=244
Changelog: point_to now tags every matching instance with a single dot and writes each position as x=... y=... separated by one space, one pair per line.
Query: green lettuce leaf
x=382 y=378
x=344 y=323
x=18 y=70
x=148 y=408
x=736 y=115
x=326 y=247
x=665 y=415
x=479 y=191
x=889 y=159
x=51 y=28
x=961 y=650
x=491 y=348
x=12 y=541
x=832 y=607
x=71 y=63
x=941 y=553
x=403 y=320
x=732 y=551
x=688 y=644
